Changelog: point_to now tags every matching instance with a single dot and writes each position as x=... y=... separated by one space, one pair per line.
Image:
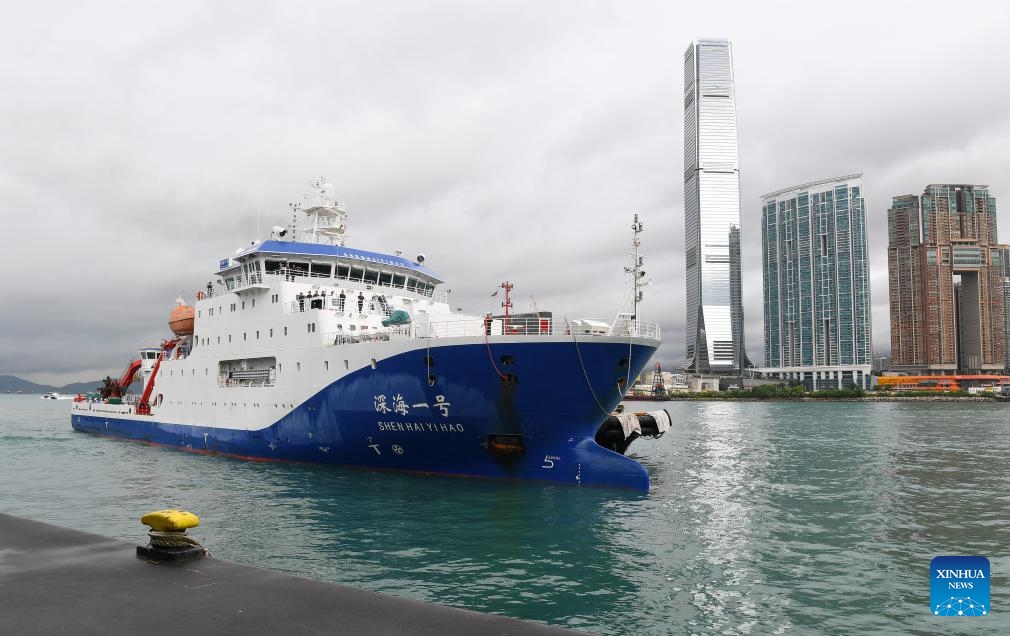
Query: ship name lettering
x=421 y=427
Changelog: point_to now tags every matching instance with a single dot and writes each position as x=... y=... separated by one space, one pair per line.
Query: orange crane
x=127 y=378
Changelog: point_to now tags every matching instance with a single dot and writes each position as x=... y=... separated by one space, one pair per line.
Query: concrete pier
x=59 y=581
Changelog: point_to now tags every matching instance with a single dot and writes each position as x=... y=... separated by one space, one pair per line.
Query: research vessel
x=304 y=349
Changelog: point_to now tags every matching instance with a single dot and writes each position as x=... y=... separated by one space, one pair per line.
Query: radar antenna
x=326 y=218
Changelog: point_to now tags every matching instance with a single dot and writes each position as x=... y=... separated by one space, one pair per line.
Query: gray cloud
x=144 y=141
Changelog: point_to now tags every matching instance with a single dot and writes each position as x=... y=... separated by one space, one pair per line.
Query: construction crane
x=658 y=387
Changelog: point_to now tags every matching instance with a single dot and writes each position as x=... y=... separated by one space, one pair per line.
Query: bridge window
x=321 y=270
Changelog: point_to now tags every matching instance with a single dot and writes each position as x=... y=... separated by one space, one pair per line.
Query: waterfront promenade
x=55 y=580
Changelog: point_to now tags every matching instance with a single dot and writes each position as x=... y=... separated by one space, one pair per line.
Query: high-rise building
x=948 y=282
x=1003 y=253
x=715 y=342
x=816 y=284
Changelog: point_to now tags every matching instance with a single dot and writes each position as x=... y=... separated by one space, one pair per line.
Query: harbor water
x=762 y=518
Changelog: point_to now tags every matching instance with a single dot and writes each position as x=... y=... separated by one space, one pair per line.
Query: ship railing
x=629 y=327
x=329 y=303
x=337 y=282
x=385 y=306
x=472 y=328
x=409 y=287
x=238 y=282
x=330 y=338
x=247 y=377
x=534 y=326
x=129 y=399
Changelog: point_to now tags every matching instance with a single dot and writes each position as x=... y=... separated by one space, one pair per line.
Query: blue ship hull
x=524 y=410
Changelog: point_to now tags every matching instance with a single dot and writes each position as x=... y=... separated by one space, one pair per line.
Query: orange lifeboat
x=180 y=321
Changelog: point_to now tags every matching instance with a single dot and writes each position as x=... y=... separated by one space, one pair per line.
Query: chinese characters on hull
x=399 y=405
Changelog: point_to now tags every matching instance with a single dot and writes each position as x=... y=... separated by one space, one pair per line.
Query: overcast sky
x=141 y=142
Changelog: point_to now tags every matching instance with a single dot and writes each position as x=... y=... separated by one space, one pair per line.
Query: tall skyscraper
x=816 y=284
x=715 y=342
x=947 y=281
x=1003 y=253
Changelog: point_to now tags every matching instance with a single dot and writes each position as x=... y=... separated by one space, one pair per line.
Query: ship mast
x=327 y=219
x=636 y=272
x=507 y=303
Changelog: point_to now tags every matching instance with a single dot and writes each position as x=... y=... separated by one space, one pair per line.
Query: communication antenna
x=635 y=269
x=295 y=207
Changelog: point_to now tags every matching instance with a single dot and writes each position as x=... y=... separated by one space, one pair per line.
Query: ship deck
x=55 y=580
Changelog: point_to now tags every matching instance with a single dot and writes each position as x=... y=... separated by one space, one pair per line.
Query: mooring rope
x=427 y=356
x=627 y=380
x=491 y=357
x=585 y=373
x=169 y=539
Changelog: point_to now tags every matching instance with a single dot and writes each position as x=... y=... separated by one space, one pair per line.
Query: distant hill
x=80 y=387
x=14 y=384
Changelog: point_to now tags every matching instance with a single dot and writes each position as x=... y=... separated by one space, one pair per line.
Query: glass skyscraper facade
x=816 y=284
x=715 y=342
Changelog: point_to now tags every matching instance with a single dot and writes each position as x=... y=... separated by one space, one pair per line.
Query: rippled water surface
x=763 y=518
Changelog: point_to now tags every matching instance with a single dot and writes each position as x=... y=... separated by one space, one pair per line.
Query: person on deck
x=361 y=302
x=487 y=323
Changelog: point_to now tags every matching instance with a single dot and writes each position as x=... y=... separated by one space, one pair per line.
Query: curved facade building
x=712 y=211
x=817 y=284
